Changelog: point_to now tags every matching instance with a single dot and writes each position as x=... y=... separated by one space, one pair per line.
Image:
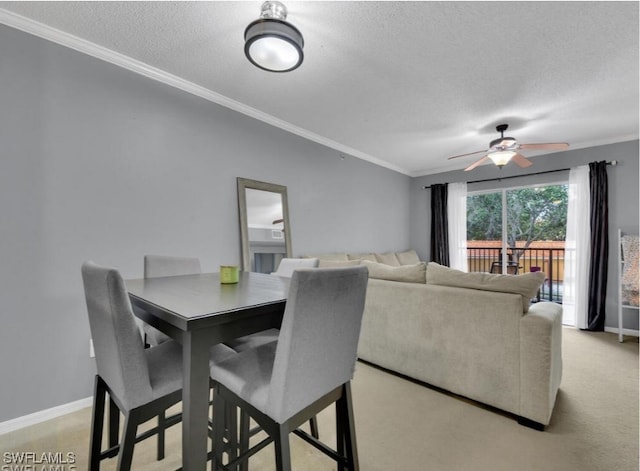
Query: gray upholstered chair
x=286 y=267
x=143 y=383
x=282 y=384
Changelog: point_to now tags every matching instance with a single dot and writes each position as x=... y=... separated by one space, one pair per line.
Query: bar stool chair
x=285 y=269
x=155 y=266
x=141 y=382
x=283 y=384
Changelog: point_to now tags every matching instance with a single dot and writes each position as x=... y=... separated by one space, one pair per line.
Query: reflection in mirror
x=264 y=225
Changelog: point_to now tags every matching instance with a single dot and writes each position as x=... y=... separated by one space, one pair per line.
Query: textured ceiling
x=401 y=84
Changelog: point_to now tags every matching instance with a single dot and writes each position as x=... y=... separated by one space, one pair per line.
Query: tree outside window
x=533 y=214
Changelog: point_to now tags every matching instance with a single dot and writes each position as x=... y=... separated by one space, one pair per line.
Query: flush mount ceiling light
x=271 y=43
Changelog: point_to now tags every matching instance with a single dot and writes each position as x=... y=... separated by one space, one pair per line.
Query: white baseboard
x=41 y=416
x=615 y=330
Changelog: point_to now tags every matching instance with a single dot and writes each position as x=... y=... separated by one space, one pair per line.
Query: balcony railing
x=550 y=261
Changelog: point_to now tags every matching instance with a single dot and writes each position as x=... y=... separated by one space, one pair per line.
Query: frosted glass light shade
x=502 y=157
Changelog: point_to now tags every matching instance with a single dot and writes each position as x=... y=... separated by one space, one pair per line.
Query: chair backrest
x=318 y=340
x=163 y=265
x=120 y=358
x=288 y=265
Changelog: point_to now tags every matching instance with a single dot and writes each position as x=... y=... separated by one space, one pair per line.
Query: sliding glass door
x=519 y=230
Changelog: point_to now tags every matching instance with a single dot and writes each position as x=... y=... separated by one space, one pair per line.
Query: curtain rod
x=613 y=163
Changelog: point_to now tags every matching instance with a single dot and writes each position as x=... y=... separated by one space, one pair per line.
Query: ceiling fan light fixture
x=501 y=157
x=505 y=149
x=271 y=43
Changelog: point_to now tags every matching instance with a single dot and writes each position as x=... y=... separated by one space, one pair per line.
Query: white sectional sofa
x=471 y=334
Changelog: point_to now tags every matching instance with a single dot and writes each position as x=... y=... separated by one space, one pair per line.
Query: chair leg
x=313 y=425
x=218 y=430
x=244 y=438
x=282 y=450
x=114 y=423
x=346 y=404
x=162 y=425
x=125 y=457
x=97 y=424
x=340 y=434
x=231 y=430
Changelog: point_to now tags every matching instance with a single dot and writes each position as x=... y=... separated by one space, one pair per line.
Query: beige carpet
x=402 y=425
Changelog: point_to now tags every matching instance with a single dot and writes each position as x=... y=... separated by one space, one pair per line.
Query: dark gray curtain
x=439 y=224
x=599 y=245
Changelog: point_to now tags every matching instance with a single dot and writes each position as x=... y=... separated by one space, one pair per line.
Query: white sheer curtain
x=457 y=216
x=577 y=250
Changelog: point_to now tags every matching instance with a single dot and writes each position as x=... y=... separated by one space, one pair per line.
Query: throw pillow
x=407 y=273
x=337 y=263
x=388 y=259
x=410 y=257
x=526 y=285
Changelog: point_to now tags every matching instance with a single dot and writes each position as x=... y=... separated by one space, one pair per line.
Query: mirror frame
x=243 y=184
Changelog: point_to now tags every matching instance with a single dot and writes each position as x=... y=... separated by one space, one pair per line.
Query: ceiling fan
x=505 y=149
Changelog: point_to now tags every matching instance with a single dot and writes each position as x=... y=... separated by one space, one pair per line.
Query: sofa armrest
x=540 y=361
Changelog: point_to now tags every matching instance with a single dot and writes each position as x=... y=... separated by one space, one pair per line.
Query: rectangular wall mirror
x=265 y=230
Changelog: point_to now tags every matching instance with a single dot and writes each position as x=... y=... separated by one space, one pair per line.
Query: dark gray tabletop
x=191 y=297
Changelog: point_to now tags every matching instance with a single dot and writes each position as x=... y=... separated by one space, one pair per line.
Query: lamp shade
x=271 y=43
x=501 y=157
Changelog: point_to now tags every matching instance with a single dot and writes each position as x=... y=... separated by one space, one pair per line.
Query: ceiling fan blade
x=545 y=146
x=477 y=163
x=521 y=160
x=464 y=155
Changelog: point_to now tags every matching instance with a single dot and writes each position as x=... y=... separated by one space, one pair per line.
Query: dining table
x=199 y=311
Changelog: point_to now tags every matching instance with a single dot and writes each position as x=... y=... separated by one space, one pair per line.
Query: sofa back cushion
x=410 y=257
x=388 y=259
x=526 y=285
x=362 y=256
x=329 y=256
x=338 y=263
x=406 y=273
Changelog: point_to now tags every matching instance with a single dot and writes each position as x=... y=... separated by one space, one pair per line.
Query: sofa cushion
x=337 y=263
x=407 y=273
x=362 y=256
x=388 y=259
x=526 y=285
x=410 y=257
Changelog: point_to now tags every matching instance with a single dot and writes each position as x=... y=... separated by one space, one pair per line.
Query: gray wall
x=99 y=163
x=623 y=200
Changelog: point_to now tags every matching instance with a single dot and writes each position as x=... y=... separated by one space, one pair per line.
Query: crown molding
x=73 y=42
